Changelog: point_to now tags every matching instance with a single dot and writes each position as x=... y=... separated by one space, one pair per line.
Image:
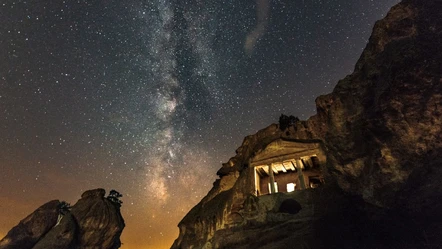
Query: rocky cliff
x=93 y=222
x=378 y=141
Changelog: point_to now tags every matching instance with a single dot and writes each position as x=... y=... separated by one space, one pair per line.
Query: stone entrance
x=287 y=166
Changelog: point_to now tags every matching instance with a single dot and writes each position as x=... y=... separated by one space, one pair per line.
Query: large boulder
x=99 y=219
x=32 y=228
x=93 y=222
x=63 y=235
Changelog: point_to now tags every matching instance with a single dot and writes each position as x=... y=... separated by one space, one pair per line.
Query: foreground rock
x=93 y=222
x=364 y=171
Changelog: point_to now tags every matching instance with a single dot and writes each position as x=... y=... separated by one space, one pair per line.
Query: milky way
x=150 y=97
x=179 y=87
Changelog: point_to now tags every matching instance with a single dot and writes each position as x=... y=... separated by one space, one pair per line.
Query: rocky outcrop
x=32 y=228
x=63 y=235
x=383 y=123
x=93 y=222
x=380 y=132
x=104 y=229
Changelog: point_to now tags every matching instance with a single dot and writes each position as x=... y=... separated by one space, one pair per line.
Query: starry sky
x=149 y=97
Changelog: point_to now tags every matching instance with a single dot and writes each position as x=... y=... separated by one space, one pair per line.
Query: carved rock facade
x=377 y=141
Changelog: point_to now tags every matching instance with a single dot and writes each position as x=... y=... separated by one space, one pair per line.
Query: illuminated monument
x=285 y=166
x=276 y=175
x=364 y=172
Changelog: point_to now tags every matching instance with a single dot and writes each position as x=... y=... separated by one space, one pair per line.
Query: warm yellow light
x=290 y=187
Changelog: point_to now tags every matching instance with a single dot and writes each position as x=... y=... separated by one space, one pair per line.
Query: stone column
x=272 y=179
x=300 y=173
x=251 y=178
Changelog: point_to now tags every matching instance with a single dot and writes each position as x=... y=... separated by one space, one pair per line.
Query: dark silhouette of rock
x=32 y=228
x=93 y=222
x=64 y=235
x=103 y=229
x=378 y=140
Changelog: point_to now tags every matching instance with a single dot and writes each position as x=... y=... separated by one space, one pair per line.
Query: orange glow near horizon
x=145 y=229
x=138 y=237
x=151 y=223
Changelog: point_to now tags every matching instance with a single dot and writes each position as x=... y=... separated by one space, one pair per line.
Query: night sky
x=150 y=97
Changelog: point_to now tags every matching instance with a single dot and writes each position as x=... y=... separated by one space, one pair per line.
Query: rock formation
x=93 y=222
x=377 y=141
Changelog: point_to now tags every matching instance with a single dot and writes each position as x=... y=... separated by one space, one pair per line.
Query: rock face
x=383 y=123
x=93 y=222
x=32 y=228
x=377 y=139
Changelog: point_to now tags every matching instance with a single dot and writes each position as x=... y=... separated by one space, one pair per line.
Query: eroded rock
x=100 y=220
x=32 y=228
x=378 y=145
x=93 y=222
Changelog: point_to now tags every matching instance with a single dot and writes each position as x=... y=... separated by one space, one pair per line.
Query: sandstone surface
x=378 y=141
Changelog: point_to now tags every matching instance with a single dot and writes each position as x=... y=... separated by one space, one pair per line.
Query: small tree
x=287 y=121
x=114 y=197
x=63 y=208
